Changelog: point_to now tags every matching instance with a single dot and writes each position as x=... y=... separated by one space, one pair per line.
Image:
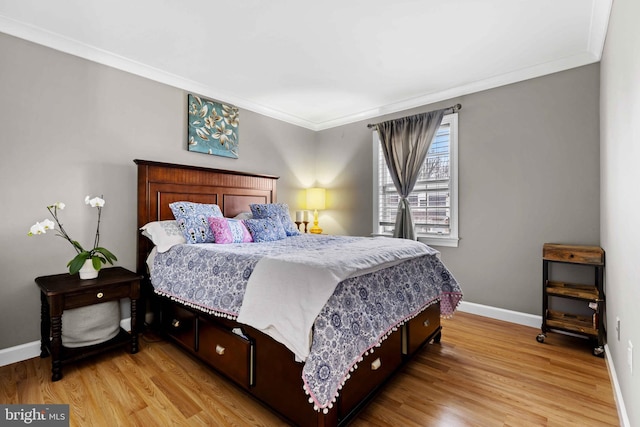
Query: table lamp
x=315 y=201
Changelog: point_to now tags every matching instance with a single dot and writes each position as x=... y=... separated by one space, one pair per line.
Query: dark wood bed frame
x=259 y=365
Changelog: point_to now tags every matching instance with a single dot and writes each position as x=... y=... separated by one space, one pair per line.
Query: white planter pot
x=87 y=271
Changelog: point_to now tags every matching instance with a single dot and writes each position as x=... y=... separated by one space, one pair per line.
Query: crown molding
x=600 y=12
x=73 y=47
x=478 y=86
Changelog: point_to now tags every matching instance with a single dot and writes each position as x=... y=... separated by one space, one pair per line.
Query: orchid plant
x=98 y=255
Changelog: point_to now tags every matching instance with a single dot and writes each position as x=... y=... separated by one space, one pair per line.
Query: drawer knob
x=175 y=323
x=375 y=365
x=100 y=295
x=220 y=350
x=426 y=323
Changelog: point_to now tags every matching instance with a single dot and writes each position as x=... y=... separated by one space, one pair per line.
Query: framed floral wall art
x=213 y=127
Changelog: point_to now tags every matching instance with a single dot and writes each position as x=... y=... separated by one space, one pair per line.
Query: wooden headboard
x=162 y=183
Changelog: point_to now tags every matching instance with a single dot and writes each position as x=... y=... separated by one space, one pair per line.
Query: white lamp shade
x=316 y=198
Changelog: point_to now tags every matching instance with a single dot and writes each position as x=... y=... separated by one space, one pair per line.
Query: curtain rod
x=449 y=110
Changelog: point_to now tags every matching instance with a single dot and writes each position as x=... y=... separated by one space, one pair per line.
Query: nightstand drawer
x=97 y=296
x=226 y=351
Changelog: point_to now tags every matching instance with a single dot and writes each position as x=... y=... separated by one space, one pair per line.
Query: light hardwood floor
x=483 y=373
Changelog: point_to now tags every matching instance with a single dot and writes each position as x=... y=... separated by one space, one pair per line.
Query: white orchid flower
x=57 y=205
x=95 y=202
x=36 y=228
x=42 y=227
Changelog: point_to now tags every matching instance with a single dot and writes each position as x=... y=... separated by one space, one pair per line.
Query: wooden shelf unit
x=591 y=327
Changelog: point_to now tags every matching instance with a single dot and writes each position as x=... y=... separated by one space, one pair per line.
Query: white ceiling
x=321 y=64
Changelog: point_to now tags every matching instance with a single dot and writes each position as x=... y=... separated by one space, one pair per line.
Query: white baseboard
x=617 y=393
x=32 y=349
x=19 y=353
x=501 y=314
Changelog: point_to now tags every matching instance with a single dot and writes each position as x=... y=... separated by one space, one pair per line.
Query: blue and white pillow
x=275 y=210
x=265 y=229
x=192 y=219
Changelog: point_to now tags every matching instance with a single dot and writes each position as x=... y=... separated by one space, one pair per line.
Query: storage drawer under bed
x=180 y=324
x=418 y=330
x=226 y=351
x=372 y=372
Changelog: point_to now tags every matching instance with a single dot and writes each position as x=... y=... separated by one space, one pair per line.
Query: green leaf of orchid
x=76 y=264
x=96 y=262
x=77 y=245
x=108 y=255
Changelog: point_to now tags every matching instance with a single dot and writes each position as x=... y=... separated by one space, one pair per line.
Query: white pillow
x=244 y=215
x=163 y=234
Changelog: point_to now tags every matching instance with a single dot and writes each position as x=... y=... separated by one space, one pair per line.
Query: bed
x=321 y=388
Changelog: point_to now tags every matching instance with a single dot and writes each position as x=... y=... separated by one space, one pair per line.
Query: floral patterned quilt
x=358 y=316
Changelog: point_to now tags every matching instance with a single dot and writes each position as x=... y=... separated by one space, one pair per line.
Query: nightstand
x=65 y=291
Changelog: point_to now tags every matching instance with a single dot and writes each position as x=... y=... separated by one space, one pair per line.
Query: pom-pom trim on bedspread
x=449 y=301
x=232 y=316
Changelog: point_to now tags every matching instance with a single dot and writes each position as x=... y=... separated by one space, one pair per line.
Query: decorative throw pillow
x=227 y=230
x=275 y=210
x=266 y=229
x=192 y=220
x=163 y=234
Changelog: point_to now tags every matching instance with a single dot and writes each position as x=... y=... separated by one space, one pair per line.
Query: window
x=434 y=199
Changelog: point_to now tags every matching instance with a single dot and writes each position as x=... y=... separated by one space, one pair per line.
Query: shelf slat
x=571 y=322
x=573 y=290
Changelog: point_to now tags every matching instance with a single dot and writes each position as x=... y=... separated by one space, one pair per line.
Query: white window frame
x=452 y=239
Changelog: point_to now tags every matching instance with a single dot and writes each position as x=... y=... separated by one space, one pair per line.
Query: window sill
x=450 y=242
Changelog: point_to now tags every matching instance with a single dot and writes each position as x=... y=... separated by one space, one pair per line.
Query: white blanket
x=285 y=293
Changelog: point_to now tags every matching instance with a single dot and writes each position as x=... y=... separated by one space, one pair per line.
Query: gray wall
x=529 y=174
x=70 y=127
x=620 y=203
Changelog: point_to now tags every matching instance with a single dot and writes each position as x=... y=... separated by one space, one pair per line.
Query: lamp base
x=315 y=230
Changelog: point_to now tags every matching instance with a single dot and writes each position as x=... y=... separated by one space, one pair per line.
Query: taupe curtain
x=405 y=144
